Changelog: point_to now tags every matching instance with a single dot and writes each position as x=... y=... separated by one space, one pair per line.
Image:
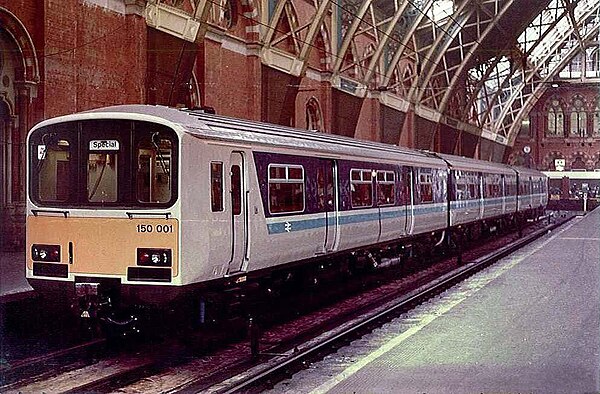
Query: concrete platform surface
x=12 y=276
x=528 y=324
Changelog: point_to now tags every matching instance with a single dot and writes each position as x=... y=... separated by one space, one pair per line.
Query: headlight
x=49 y=253
x=154 y=257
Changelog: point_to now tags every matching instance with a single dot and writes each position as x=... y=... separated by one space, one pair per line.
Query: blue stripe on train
x=308 y=224
x=291 y=225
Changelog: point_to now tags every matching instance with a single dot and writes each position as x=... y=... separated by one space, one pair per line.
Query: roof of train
x=203 y=125
x=217 y=127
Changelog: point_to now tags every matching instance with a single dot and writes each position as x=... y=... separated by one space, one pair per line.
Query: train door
x=503 y=192
x=5 y=169
x=328 y=201
x=481 y=186
x=239 y=212
x=408 y=199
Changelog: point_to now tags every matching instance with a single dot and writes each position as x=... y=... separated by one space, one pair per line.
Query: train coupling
x=89 y=300
x=97 y=303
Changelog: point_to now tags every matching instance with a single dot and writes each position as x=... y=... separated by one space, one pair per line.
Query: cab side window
x=216 y=186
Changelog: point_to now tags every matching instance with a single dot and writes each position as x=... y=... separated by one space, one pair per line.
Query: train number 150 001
x=159 y=228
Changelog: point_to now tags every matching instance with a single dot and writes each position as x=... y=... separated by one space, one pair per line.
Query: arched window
x=578 y=163
x=313 y=115
x=555 y=120
x=578 y=118
x=596 y=127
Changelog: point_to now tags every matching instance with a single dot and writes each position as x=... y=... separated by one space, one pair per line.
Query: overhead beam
x=466 y=61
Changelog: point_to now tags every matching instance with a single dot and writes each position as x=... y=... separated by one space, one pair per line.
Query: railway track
x=13 y=374
x=176 y=366
x=265 y=375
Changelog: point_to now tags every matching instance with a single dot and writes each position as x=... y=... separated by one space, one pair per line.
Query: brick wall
x=93 y=57
x=544 y=148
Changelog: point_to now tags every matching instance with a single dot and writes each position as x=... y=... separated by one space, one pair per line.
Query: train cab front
x=102 y=217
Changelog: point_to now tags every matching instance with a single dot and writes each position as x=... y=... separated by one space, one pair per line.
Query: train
x=139 y=206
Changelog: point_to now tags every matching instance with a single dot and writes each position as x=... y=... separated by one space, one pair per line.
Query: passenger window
x=492 y=186
x=466 y=185
x=216 y=186
x=386 y=188
x=510 y=185
x=54 y=163
x=286 y=188
x=425 y=178
x=325 y=189
x=154 y=170
x=236 y=190
x=361 y=187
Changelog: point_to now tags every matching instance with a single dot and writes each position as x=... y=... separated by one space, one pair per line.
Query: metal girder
x=466 y=60
x=274 y=21
x=315 y=25
x=507 y=80
x=543 y=84
x=189 y=26
x=405 y=40
x=571 y=11
x=347 y=40
x=474 y=95
x=543 y=63
x=432 y=60
x=383 y=41
x=293 y=63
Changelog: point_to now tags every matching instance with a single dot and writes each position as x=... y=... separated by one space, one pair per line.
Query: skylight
x=441 y=10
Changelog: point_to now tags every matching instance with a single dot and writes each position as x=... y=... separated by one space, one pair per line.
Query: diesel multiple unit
x=148 y=205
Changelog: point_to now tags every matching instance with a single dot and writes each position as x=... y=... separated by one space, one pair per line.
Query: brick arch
x=27 y=64
x=578 y=160
x=579 y=96
x=314 y=115
x=561 y=102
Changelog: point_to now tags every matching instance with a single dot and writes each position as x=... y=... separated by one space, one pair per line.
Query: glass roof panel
x=441 y=10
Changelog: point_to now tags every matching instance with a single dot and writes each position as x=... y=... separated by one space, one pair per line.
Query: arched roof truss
x=303 y=35
x=480 y=63
x=548 y=56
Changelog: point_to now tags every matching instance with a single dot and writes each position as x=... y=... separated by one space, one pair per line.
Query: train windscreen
x=112 y=163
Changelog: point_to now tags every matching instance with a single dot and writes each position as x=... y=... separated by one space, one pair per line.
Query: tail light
x=47 y=253
x=154 y=257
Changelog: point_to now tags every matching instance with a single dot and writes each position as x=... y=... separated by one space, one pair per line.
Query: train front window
x=154 y=181
x=115 y=163
x=102 y=177
x=53 y=166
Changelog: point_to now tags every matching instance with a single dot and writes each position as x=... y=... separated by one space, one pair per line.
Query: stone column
x=19 y=127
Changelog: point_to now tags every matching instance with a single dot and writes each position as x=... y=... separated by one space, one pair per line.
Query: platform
x=528 y=324
x=13 y=285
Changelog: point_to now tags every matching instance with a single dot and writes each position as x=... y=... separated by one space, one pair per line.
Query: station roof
x=476 y=65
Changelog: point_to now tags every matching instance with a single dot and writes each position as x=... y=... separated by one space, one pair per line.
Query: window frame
x=419 y=183
x=361 y=181
x=79 y=133
x=222 y=186
x=386 y=181
x=286 y=180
